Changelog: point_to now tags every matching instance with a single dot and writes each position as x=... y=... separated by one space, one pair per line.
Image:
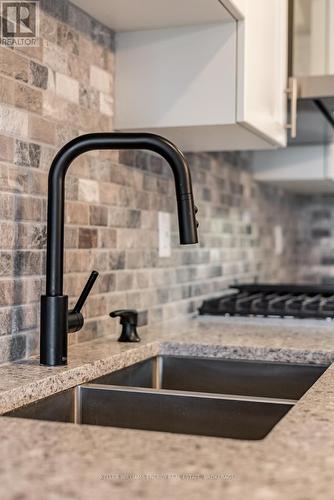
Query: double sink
x=201 y=396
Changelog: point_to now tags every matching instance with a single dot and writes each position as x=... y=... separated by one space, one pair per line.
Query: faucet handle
x=75 y=318
x=129 y=321
x=85 y=292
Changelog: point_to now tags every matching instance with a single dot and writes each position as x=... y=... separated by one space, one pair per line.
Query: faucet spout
x=54 y=305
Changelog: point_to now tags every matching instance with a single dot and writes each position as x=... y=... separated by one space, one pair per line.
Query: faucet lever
x=85 y=292
x=75 y=318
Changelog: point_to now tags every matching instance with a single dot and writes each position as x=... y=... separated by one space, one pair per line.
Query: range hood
x=314 y=110
x=311 y=70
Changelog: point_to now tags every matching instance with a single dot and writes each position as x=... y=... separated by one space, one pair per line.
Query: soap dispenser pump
x=129 y=321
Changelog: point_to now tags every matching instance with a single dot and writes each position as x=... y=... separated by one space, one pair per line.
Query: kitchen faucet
x=56 y=319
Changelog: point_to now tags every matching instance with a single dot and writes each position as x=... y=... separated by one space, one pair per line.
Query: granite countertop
x=55 y=460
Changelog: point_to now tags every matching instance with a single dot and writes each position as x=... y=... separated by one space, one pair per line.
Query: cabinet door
x=262 y=68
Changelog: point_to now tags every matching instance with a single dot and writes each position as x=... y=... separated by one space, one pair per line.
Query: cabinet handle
x=292 y=92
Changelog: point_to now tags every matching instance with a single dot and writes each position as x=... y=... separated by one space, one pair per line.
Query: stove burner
x=299 y=301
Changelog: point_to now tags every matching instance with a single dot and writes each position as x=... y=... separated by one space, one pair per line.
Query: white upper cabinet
x=207 y=74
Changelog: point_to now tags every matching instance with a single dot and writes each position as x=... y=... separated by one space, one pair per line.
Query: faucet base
x=53 y=330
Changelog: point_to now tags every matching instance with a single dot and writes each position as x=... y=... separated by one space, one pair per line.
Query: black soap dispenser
x=129 y=321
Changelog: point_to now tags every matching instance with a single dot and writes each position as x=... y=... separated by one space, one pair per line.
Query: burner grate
x=299 y=301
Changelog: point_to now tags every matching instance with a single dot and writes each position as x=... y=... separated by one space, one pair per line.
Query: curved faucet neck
x=89 y=142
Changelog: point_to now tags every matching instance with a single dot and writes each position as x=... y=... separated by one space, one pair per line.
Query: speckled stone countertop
x=49 y=460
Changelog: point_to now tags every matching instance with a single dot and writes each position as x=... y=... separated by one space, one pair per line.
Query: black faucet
x=56 y=320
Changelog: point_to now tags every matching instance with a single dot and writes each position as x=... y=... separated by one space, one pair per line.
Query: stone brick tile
x=54 y=107
x=41 y=130
x=71 y=237
x=38 y=183
x=6 y=263
x=77 y=261
x=6 y=321
x=32 y=343
x=116 y=300
x=109 y=193
x=87 y=238
x=107 y=237
x=96 y=305
x=47 y=155
x=155 y=315
x=67 y=87
x=64 y=134
x=6 y=91
x=31 y=236
x=48 y=27
x=134 y=259
x=25 y=317
x=7 y=231
x=98 y=215
x=88 y=97
x=6 y=61
x=27 y=154
x=141 y=279
x=6 y=205
x=100 y=79
x=89 y=191
x=6 y=148
x=77 y=213
x=126 y=197
x=135 y=300
x=102 y=35
x=55 y=57
x=28 y=98
x=33 y=52
x=124 y=280
x=12 y=64
x=142 y=201
x=117 y=259
x=122 y=217
x=67 y=38
x=27 y=262
x=17 y=180
x=29 y=208
x=78 y=68
x=106 y=104
x=100 y=260
x=7 y=293
x=106 y=283
x=12 y=347
x=38 y=75
x=13 y=121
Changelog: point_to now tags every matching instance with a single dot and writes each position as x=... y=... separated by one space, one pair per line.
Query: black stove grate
x=299 y=301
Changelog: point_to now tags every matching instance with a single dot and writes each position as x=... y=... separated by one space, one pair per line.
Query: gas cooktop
x=283 y=300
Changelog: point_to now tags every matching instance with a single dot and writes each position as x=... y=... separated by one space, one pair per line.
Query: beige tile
x=41 y=130
x=13 y=121
x=100 y=79
x=89 y=190
x=6 y=148
x=28 y=98
x=67 y=87
x=106 y=104
x=7 y=91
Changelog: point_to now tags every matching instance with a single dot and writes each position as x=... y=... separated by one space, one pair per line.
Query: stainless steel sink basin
x=234 y=399
x=247 y=378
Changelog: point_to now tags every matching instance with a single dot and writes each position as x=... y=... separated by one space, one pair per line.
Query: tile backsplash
x=61 y=89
